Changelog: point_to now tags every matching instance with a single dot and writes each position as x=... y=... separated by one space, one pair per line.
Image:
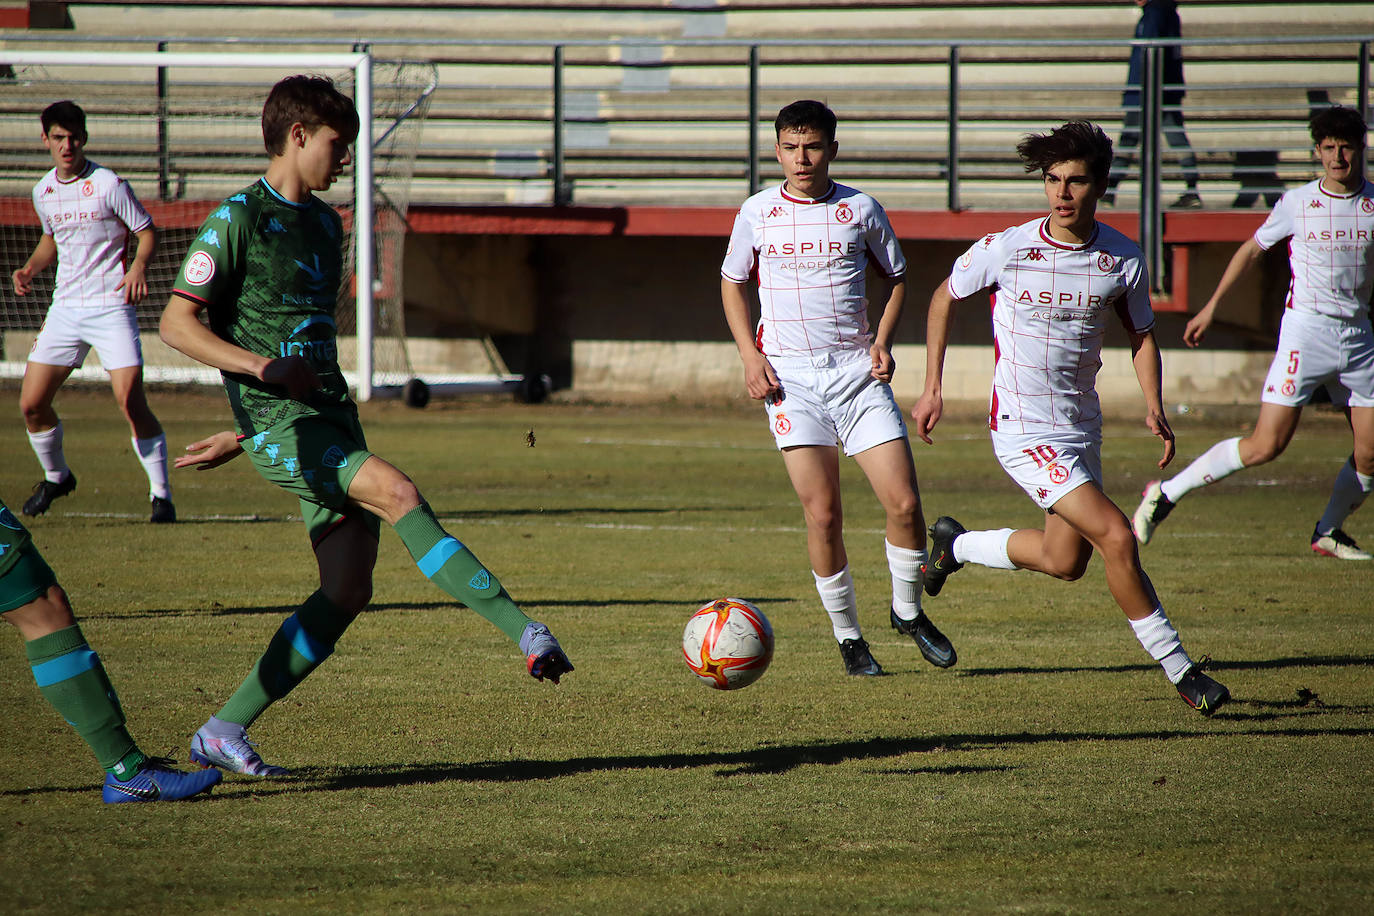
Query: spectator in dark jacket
x=1158 y=19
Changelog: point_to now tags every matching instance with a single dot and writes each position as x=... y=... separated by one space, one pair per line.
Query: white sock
x=986 y=548
x=1160 y=639
x=153 y=455
x=840 y=602
x=1347 y=495
x=1221 y=460
x=905 y=565
x=47 y=445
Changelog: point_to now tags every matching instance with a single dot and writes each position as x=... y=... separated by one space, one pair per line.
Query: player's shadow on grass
x=761 y=761
x=458 y=516
x=1304 y=661
x=285 y=610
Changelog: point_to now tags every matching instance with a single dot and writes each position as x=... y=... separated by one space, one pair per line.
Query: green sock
x=301 y=643
x=454 y=568
x=71 y=678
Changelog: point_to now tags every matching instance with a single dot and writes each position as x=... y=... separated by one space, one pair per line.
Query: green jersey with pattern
x=14 y=537
x=268 y=271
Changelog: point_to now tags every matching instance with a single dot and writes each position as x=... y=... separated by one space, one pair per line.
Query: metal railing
x=924 y=124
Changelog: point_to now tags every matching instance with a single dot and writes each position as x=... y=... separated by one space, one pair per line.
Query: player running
x=265 y=270
x=1056 y=283
x=824 y=375
x=70 y=676
x=88 y=213
x=1324 y=337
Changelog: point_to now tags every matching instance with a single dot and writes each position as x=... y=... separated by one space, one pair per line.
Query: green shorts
x=28 y=579
x=315 y=456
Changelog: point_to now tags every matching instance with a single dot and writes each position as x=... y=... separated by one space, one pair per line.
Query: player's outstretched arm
x=211 y=452
x=1149 y=372
x=931 y=406
x=1246 y=256
x=135 y=283
x=44 y=253
x=182 y=330
x=759 y=378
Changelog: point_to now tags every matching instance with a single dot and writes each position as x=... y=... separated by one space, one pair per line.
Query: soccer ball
x=728 y=643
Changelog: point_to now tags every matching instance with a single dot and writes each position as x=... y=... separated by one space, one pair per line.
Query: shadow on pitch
x=761 y=761
x=1263 y=664
x=285 y=610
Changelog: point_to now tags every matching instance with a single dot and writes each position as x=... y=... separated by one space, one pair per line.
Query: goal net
x=185 y=130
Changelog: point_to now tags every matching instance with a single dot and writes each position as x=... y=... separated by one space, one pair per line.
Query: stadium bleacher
x=655 y=104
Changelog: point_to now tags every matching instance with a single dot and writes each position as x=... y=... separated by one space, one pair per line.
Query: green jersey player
x=70 y=676
x=265 y=271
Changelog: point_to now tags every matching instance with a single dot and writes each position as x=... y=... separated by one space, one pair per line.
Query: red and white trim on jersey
x=810 y=259
x=1330 y=249
x=90 y=217
x=1051 y=304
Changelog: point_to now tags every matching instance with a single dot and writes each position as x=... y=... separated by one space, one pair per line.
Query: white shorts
x=833 y=399
x=1316 y=351
x=68 y=334
x=1049 y=466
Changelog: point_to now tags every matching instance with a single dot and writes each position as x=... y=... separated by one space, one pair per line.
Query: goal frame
x=360 y=62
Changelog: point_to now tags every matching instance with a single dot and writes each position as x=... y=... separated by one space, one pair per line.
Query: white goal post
x=47 y=76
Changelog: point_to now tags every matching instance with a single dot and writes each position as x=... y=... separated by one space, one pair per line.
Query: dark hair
x=312 y=101
x=806 y=115
x=1072 y=140
x=66 y=114
x=1339 y=123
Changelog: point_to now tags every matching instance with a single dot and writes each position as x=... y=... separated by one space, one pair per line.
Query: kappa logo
x=782 y=425
x=274 y=226
x=1041 y=492
x=1269 y=390
x=776 y=212
x=1105 y=262
x=481 y=581
x=1316 y=205
x=273 y=451
x=224 y=214
x=1034 y=254
x=988 y=240
x=210 y=237
x=844 y=214
x=49 y=190
x=258 y=440
x=239 y=199
x=334 y=457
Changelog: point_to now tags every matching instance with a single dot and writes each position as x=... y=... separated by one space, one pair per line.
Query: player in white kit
x=1056 y=283
x=824 y=374
x=88 y=213
x=1324 y=338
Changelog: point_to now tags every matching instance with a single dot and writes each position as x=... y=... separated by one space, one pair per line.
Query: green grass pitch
x=1053 y=770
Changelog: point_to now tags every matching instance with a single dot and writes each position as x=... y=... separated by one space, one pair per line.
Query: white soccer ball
x=728 y=643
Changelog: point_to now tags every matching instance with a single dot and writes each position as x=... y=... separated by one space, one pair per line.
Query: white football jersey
x=90 y=218
x=1330 y=249
x=810 y=257
x=1051 y=304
